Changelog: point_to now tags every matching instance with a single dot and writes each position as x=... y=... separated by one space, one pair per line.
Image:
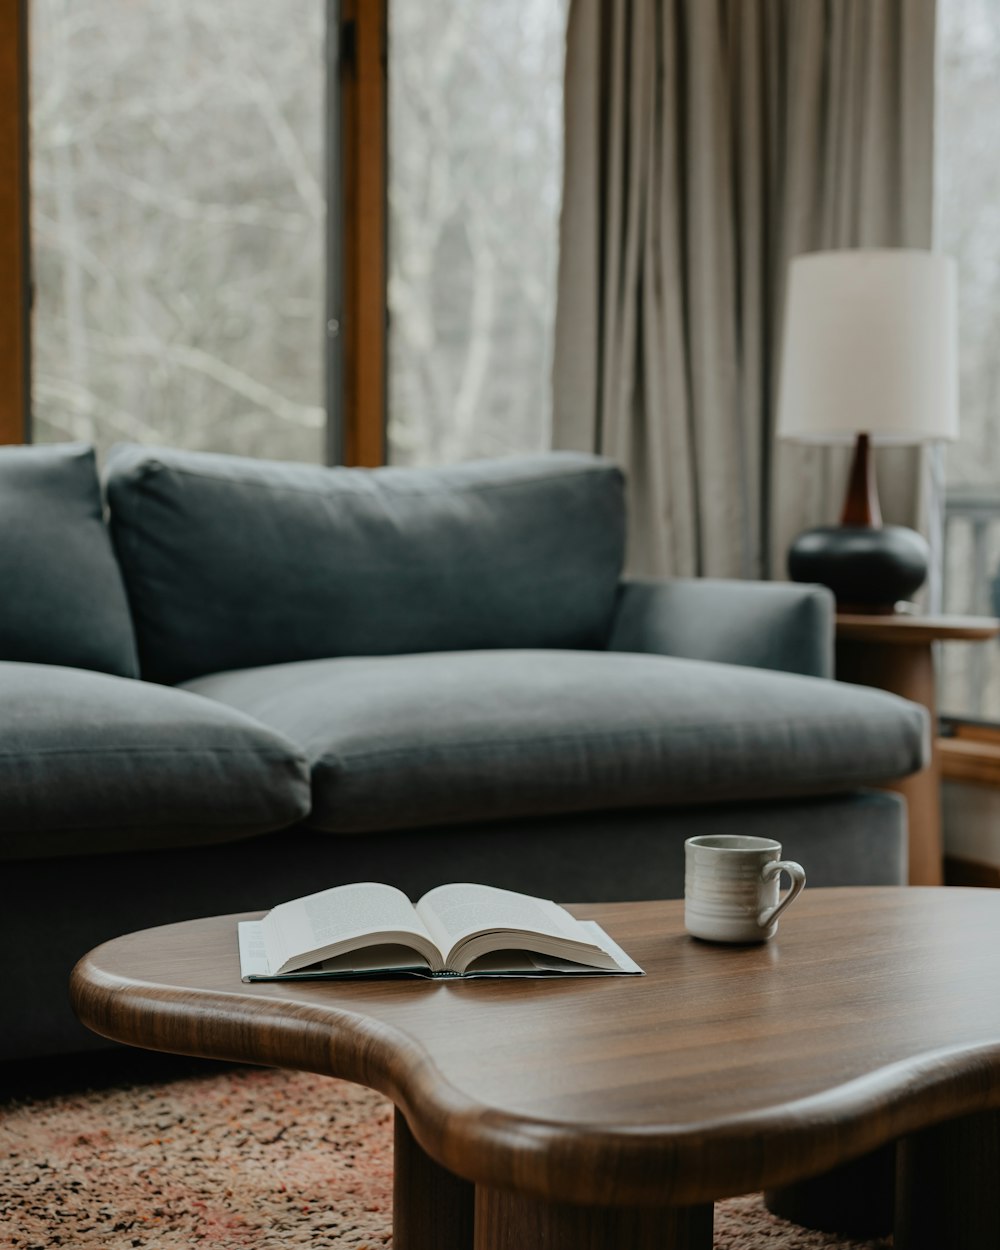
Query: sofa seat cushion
x=412 y=740
x=92 y=763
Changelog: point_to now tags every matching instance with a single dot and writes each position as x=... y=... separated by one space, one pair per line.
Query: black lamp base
x=868 y=568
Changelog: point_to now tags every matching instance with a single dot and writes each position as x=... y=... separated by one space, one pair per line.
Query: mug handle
x=774 y=869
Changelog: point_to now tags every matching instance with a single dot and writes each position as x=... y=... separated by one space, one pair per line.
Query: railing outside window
x=968 y=228
x=970 y=674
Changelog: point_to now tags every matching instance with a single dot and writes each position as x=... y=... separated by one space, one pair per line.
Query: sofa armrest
x=779 y=625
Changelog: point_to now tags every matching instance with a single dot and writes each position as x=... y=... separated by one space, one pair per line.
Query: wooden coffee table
x=613 y=1112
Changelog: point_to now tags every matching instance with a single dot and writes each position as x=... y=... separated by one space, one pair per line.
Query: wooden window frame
x=361 y=234
x=356 y=163
x=15 y=308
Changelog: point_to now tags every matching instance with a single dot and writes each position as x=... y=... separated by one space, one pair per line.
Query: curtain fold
x=707 y=143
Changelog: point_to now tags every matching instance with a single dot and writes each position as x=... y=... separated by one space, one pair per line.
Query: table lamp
x=870 y=356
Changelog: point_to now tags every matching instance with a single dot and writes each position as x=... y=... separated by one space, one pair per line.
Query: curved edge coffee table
x=612 y=1112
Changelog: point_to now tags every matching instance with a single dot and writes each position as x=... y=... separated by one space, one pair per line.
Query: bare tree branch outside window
x=177 y=223
x=475 y=171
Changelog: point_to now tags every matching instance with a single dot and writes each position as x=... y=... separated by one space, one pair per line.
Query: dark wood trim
x=861 y=506
x=971 y=872
x=363 y=102
x=333 y=339
x=14 y=280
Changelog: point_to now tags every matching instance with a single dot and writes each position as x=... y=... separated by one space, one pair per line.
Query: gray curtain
x=707 y=143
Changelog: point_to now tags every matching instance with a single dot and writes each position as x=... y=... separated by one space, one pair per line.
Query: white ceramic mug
x=731 y=887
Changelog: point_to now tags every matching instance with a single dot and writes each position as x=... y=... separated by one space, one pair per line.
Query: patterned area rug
x=241 y=1158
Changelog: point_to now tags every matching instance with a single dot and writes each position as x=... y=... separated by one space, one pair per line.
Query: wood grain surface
x=874 y=1014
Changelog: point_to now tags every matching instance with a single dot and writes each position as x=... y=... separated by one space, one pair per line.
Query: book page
x=394 y=960
x=345 y=914
x=454 y=913
x=526 y=963
x=386 y=957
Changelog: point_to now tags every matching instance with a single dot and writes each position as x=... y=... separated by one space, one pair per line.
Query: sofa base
x=57 y=909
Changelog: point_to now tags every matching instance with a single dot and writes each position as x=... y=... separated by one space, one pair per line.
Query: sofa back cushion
x=63 y=601
x=235 y=563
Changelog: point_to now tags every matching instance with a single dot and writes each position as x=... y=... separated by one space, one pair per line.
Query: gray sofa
x=260 y=679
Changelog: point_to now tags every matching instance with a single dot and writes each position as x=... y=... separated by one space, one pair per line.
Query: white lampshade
x=870 y=346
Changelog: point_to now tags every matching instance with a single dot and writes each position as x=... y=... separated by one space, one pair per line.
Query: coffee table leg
x=855 y=1200
x=510 y=1221
x=432 y=1209
x=948 y=1186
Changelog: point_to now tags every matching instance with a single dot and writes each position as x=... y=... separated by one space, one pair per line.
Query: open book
x=369 y=930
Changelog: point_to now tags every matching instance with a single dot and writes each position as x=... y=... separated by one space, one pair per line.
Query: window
x=475 y=174
x=177 y=222
x=968 y=173
x=177 y=219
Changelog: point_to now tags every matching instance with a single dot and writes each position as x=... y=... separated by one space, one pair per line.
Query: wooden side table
x=895 y=653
